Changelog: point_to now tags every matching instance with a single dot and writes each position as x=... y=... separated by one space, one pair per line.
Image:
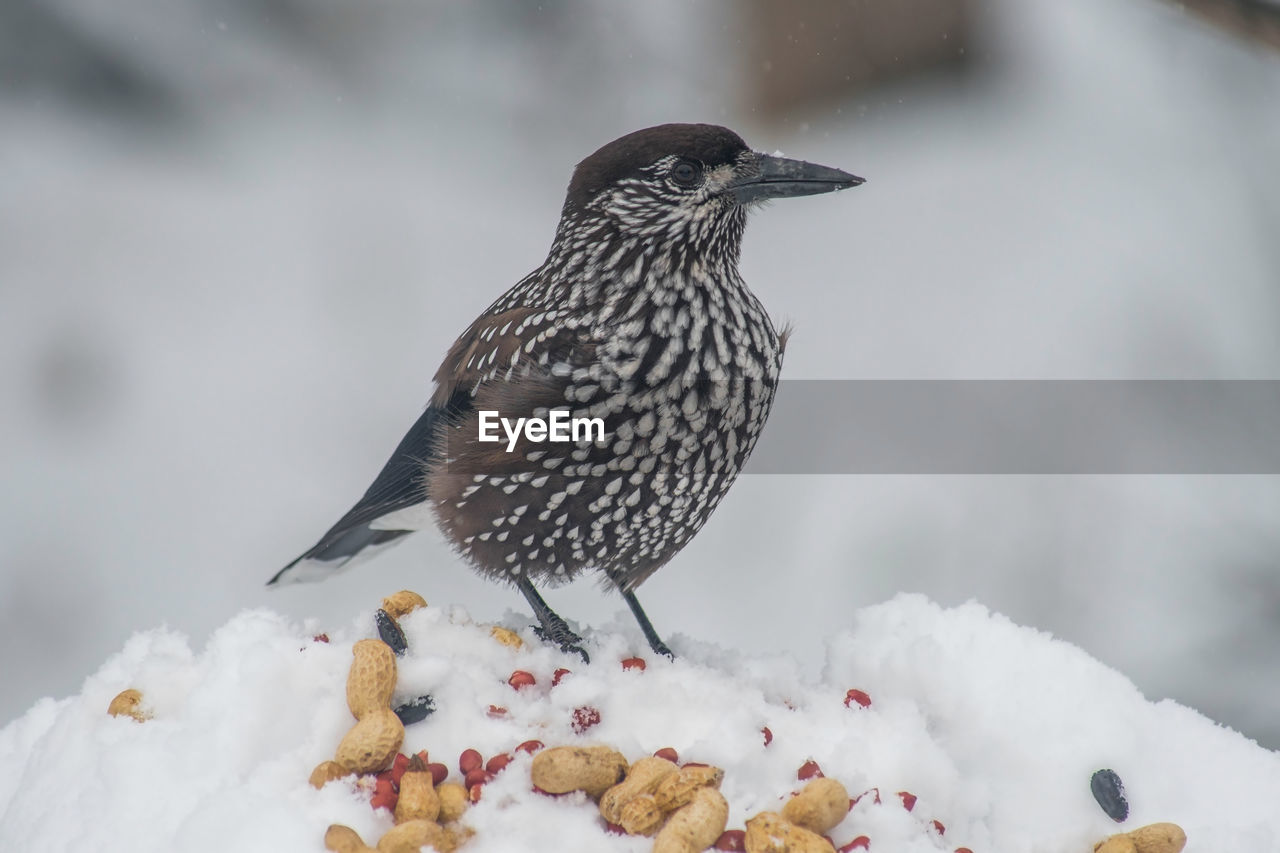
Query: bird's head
x=684 y=181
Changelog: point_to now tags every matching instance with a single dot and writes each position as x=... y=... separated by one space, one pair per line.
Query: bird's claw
x=563 y=638
x=660 y=648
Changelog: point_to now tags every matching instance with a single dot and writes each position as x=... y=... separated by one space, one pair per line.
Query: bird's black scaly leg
x=554 y=629
x=655 y=642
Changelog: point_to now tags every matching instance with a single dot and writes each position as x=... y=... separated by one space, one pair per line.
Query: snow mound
x=995 y=728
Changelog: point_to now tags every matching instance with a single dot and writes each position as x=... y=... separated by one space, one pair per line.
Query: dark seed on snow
x=390 y=633
x=416 y=710
x=1108 y=790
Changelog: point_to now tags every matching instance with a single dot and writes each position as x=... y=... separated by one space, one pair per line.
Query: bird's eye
x=686 y=173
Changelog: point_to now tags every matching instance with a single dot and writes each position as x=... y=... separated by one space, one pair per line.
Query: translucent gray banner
x=1022 y=427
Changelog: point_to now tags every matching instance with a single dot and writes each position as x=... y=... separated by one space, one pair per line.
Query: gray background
x=237 y=237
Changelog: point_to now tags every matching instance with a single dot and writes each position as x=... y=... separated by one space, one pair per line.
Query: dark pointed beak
x=778 y=177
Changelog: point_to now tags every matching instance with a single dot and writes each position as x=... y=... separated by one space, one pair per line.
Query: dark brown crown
x=626 y=156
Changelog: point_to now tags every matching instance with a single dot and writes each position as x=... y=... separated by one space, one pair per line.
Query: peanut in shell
x=643 y=777
x=418 y=799
x=819 y=807
x=696 y=826
x=326 y=772
x=402 y=603
x=128 y=703
x=372 y=678
x=453 y=801
x=594 y=769
x=372 y=742
x=678 y=790
x=640 y=815
x=770 y=832
x=1152 y=838
x=344 y=839
x=411 y=836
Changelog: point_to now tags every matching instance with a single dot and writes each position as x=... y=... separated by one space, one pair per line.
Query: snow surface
x=996 y=728
x=215 y=327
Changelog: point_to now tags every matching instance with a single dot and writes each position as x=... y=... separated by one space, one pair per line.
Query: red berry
x=809 y=770
x=439 y=773
x=384 y=793
x=633 y=663
x=498 y=763
x=768 y=735
x=859 y=843
x=496 y=711
x=473 y=793
x=530 y=746
x=669 y=754
x=520 y=678
x=908 y=800
x=963 y=850
x=731 y=839
x=557 y=675
x=469 y=760
x=584 y=718
x=937 y=824
x=859 y=696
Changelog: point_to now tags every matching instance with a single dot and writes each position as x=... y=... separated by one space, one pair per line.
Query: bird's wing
x=496 y=347
x=506 y=346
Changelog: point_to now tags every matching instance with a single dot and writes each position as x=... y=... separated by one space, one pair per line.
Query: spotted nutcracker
x=638 y=322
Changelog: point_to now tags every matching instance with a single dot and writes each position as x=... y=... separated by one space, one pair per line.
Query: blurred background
x=236 y=238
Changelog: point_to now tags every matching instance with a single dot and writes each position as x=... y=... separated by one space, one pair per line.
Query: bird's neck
x=594 y=263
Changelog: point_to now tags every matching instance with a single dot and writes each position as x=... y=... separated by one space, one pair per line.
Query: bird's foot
x=557 y=633
x=655 y=642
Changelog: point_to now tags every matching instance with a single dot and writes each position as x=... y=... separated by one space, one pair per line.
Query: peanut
x=128 y=703
x=1152 y=838
x=453 y=801
x=372 y=742
x=326 y=772
x=642 y=778
x=412 y=835
x=594 y=769
x=819 y=807
x=402 y=603
x=372 y=678
x=506 y=636
x=769 y=832
x=1116 y=844
x=678 y=790
x=418 y=799
x=694 y=827
x=344 y=839
x=457 y=836
x=640 y=815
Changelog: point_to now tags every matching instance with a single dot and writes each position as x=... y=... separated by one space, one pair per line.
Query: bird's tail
x=394 y=506
x=337 y=553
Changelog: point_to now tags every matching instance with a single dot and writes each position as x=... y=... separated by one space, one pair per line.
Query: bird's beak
x=778 y=177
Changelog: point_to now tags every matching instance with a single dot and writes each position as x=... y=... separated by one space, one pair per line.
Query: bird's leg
x=554 y=629
x=655 y=642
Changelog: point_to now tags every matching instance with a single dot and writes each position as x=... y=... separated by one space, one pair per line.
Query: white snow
x=994 y=727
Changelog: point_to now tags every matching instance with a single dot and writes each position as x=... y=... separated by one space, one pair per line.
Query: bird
x=639 y=326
